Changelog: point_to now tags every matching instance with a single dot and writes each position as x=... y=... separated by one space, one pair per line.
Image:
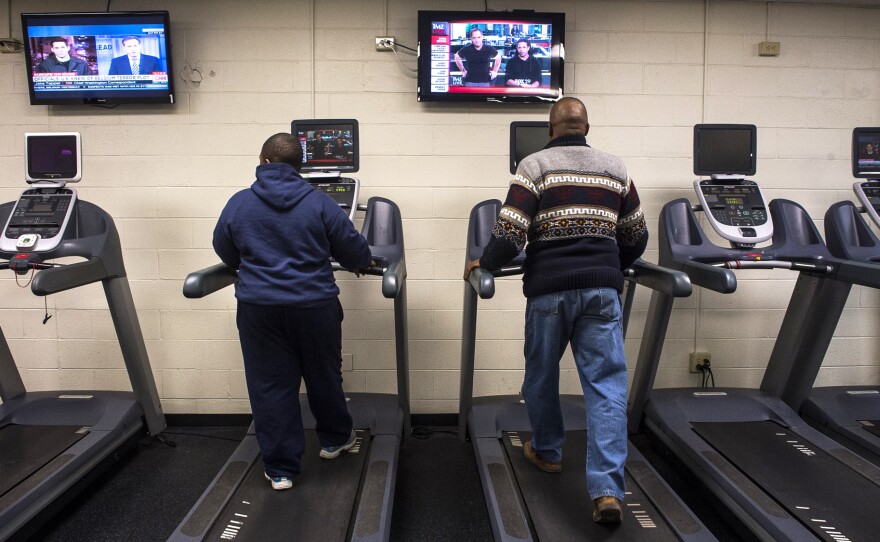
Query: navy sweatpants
x=283 y=346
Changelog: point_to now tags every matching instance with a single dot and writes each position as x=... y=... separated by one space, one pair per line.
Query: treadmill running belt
x=25 y=449
x=560 y=507
x=872 y=426
x=828 y=497
x=319 y=506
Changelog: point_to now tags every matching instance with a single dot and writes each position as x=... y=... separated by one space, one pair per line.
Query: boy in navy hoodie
x=280 y=235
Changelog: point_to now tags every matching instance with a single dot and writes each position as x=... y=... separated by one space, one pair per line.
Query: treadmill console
x=736 y=209
x=869 y=196
x=41 y=214
x=40 y=211
x=343 y=190
x=330 y=149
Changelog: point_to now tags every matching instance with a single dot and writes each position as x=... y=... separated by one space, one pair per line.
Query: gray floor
x=438 y=495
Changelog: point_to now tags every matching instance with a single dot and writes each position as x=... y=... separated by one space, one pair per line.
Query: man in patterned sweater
x=577 y=213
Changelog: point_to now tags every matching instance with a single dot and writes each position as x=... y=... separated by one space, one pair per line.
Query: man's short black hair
x=284 y=148
x=58 y=39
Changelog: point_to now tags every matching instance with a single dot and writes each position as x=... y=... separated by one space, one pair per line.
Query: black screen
x=52 y=157
x=724 y=149
x=526 y=138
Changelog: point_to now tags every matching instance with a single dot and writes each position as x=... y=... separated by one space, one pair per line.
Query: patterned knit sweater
x=579 y=212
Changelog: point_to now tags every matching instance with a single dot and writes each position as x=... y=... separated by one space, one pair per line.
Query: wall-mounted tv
x=500 y=56
x=98 y=58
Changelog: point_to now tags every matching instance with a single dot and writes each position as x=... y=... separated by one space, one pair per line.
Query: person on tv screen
x=483 y=61
x=60 y=60
x=580 y=229
x=523 y=70
x=133 y=62
x=280 y=235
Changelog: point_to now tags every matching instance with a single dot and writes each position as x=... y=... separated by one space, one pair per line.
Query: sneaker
x=607 y=510
x=279 y=483
x=333 y=451
x=540 y=462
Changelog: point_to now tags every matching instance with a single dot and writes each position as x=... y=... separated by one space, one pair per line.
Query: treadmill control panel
x=869 y=196
x=343 y=190
x=736 y=209
x=39 y=212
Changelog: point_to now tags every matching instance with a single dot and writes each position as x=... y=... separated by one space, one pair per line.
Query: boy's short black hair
x=284 y=148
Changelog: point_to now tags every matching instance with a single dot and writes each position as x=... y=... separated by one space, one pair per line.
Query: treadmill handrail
x=708 y=276
x=483 y=282
x=206 y=281
x=67 y=277
x=860 y=273
x=655 y=277
x=393 y=278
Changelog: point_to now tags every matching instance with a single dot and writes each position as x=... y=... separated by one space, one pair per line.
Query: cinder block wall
x=647 y=70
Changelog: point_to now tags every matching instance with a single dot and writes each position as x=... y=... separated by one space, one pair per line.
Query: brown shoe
x=607 y=510
x=540 y=462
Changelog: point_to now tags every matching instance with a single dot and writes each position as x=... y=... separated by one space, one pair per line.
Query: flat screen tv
x=527 y=137
x=98 y=58
x=725 y=149
x=866 y=153
x=499 y=56
x=329 y=145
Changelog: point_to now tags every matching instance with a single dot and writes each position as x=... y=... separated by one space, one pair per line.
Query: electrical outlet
x=698 y=358
x=384 y=43
x=769 y=48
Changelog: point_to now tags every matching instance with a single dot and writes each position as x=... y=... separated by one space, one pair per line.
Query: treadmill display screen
x=52 y=157
x=328 y=144
x=866 y=153
x=725 y=149
x=526 y=137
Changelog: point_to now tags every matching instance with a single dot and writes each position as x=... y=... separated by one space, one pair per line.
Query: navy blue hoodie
x=280 y=234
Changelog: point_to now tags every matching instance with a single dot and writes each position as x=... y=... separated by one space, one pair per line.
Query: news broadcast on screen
x=327 y=145
x=103 y=57
x=490 y=56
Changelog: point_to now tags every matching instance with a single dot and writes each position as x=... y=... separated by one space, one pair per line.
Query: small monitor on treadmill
x=53 y=157
x=866 y=153
x=725 y=149
x=329 y=145
x=527 y=137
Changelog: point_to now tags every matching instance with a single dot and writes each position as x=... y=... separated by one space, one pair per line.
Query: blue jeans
x=590 y=320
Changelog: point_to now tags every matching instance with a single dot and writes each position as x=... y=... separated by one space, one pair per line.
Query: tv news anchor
x=483 y=61
x=60 y=60
x=133 y=62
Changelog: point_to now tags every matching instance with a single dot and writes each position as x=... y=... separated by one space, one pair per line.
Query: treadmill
x=849 y=414
x=348 y=498
x=781 y=477
x=524 y=503
x=50 y=441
